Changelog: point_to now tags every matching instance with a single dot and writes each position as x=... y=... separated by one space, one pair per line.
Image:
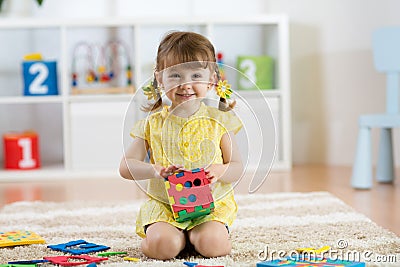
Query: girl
x=185 y=135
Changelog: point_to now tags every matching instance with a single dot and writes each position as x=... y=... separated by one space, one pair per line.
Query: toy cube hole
x=197 y=182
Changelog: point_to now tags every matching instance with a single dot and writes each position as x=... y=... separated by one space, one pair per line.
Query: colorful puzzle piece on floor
x=189 y=194
x=75 y=260
x=18 y=265
x=317 y=262
x=21 y=237
x=78 y=247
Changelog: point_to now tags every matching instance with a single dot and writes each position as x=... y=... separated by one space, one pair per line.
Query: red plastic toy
x=189 y=194
x=64 y=260
x=21 y=150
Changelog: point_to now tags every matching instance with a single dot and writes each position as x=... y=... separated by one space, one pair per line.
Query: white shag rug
x=266 y=225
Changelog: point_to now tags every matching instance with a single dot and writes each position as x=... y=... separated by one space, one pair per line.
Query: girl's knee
x=212 y=242
x=213 y=245
x=161 y=248
x=164 y=244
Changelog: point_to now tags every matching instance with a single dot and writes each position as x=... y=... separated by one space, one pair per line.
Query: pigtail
x=224 y=105
x=153 y=92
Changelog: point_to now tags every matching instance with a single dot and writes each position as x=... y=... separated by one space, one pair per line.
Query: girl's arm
x=232 y=167
x=133 y=167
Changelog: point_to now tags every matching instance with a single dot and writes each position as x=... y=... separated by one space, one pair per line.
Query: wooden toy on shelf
x=189 y=194
x=113 y=74
x=20 y=237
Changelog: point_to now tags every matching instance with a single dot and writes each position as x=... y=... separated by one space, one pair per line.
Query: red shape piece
x=63 y=260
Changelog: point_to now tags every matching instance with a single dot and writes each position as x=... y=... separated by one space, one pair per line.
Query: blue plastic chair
x=386 y=50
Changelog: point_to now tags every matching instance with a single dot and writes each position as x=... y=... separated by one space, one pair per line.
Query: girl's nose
x=185 y=85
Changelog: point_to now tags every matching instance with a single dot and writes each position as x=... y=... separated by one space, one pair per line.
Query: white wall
x=332 y=74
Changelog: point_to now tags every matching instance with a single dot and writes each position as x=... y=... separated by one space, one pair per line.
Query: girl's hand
x=162 y=172
x=214 y=172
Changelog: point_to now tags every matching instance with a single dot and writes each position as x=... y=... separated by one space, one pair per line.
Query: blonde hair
x=181 y=47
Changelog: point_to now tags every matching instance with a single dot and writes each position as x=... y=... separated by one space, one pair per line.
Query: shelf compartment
x=30 y=99
x=96 y=127
x=44 y=118
x=22 y=42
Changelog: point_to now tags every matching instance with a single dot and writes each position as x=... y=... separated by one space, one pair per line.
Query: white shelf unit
x=83 y=136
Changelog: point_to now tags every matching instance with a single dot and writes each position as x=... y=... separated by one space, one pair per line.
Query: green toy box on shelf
x=257 y=72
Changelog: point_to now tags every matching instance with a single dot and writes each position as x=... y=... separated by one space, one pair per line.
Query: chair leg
x=362 y=168
x=385 y=167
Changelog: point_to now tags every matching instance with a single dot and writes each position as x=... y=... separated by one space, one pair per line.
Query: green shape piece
x=198 y=212
x=106 y=254
x=183 y=200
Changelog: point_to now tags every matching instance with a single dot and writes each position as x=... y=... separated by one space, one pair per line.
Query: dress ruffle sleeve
x=231 y=122
x=140 y=129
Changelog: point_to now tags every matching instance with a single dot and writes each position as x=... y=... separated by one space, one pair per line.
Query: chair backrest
x=386 y=47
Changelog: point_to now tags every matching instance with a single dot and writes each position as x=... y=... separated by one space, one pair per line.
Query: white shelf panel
x=30 y=99
x=10 y=23
x=257 y=93
x=100 y=98
x=52 y=172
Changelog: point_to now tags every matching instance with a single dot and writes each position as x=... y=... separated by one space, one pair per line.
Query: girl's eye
x=174 y=75
x=196 y=75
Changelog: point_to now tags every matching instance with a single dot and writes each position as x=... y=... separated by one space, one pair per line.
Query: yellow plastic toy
x=33 y=57
x=131 y=259
x=16 y=238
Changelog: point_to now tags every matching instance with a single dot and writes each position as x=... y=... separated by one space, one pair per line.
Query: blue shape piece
x=192 y=198
x=27 y=262
x=93 y=264
x=196 y=170
x=190 y=264
x=181 y=174
x=84 y=247
x=188 y=184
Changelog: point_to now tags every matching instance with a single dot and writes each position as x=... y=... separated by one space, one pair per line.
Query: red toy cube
x=21 y=151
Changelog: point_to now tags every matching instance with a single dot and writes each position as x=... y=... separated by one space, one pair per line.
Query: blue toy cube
x=40 y=78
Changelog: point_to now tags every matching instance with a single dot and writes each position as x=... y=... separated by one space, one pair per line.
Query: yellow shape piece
x=17 y=238
x=33 y=57
x=167 y=185
x=179 y=187
x=131 y=259
x=171 y=200
x=313 y=250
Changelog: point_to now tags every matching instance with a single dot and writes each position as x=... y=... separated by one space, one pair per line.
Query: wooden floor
x=381 y=203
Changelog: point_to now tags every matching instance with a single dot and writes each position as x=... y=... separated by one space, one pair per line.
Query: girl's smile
x=185 y=96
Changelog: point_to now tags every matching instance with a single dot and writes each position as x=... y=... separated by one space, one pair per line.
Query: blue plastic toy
x=78 y=247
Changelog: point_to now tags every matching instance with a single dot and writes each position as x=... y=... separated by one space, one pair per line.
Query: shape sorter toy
x=189 y=194
x=313 y=262
x=16 y=238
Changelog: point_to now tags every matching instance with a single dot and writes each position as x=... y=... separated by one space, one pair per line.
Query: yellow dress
x=193 y=142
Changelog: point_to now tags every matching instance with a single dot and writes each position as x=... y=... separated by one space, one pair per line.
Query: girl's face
x=186 y=82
